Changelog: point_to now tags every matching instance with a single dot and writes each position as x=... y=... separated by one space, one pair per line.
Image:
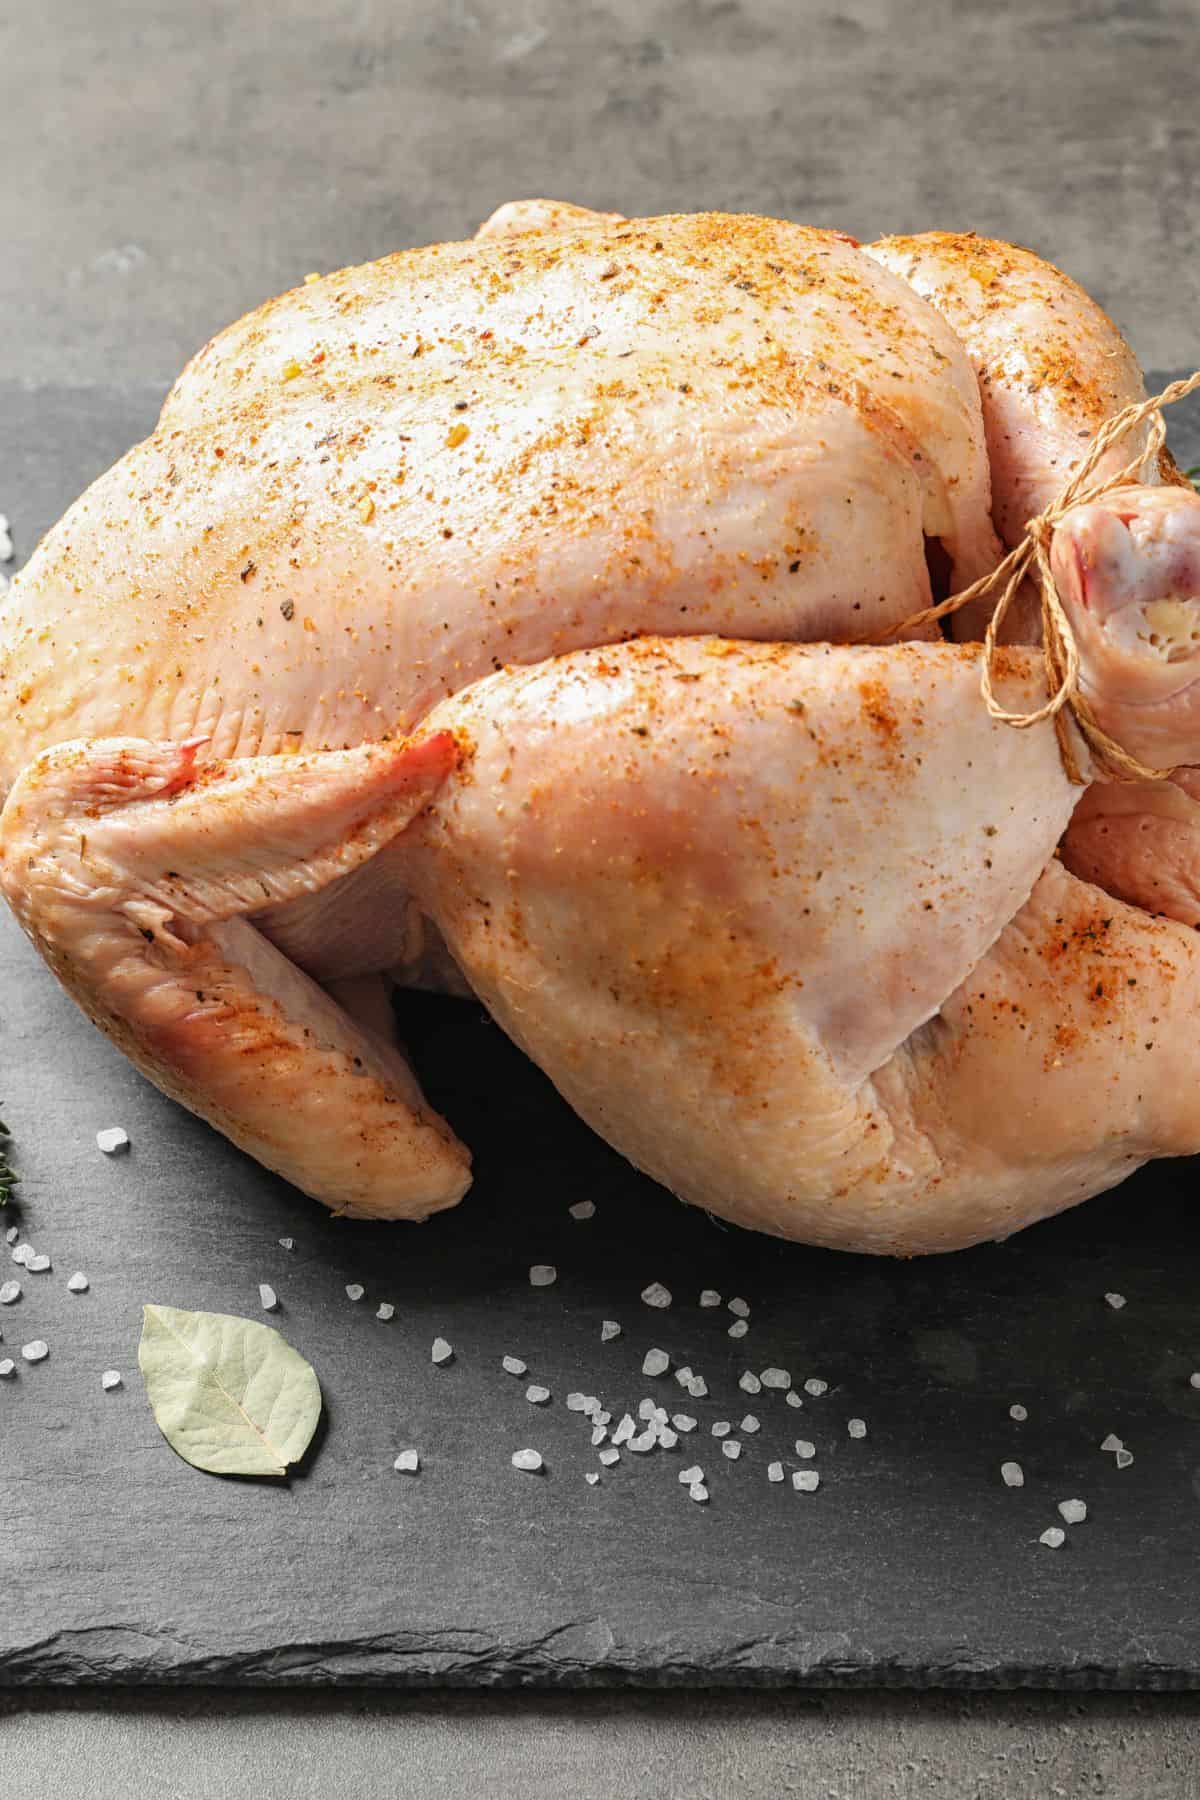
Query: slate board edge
x=117 y=1657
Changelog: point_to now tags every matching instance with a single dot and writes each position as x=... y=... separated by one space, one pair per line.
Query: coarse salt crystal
x=749 y=1383
x=37 y=1265
x=1012 y=1474
x=287 y=1243
x=512 y=1365
x=537 y=1395
x=576 y=1402
x=804 y=1449
x=689 y=1476
x=591 y=1477
x=738 y=1329
x=646 y=1409
x=408 y=1462
x=111 y=1378
x=697 y=1387
x=385 y=1311
x=1054 y=1536
x=1116 y=1301
x=683 y=1375
x=599 y=1433
x=112 y=1140
x=740 y=1307
x=816 y=1387
x=624 y=1430
x=8 y=1366
x=78 y=1284
x=1124 y=1458
x=806 y=1481
x=776 y=1378
x=12 y=1234
x=793 y=1398
x=667 y=1437
x=1112 y=1442
x=683 y=1422
x=856 y=1427
x=542 y=1275
x=1194 y=1379
x=9 y=1291
x=36 y=1351
x=355 y=1290
x=441 y=1351
x=642 y=1442
x=1018 y=1413
x=583 y=1209
x=1073 y=1511
x=528 y=1460
x=749 y=1423
x=721 y=1428
x=610 y=1456
x=608 y=1330
x=268 y=1298
x=698 y=1492
x=22 y=1253
x=709 y=1297
x=656 y=1295
x=775 y=1471
x=731 y=1448
x=655 y=1362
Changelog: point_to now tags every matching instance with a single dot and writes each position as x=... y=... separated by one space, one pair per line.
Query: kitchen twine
x=1058 y=640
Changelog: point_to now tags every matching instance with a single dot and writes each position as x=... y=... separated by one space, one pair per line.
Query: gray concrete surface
x=167 y=164
x=601 y=1746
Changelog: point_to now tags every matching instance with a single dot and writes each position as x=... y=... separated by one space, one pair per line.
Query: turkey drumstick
x=1052 y=367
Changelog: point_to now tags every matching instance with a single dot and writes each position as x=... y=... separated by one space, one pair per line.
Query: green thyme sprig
x=8 y=1175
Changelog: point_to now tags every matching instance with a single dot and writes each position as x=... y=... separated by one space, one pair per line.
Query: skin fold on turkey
x=526 y=617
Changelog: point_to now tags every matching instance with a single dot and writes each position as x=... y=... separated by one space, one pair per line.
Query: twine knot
x=1058 y=639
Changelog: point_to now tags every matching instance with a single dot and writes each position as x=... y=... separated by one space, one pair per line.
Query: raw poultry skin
x=517 y=613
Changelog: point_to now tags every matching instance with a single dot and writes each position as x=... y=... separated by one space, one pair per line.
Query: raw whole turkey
x=527 y=616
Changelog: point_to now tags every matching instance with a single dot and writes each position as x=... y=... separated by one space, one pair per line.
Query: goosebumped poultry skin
x=419 y=640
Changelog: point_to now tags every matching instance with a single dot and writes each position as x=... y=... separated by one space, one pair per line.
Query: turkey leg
x=784 y=924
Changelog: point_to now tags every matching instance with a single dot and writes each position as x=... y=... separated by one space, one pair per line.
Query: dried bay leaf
x=229 y=1395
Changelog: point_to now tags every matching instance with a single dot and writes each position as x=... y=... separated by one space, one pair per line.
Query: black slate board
x=913 y=1564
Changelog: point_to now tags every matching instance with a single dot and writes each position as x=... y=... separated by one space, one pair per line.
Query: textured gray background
x=166 y=165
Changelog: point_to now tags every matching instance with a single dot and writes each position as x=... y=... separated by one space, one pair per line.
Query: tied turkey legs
x=521 y=614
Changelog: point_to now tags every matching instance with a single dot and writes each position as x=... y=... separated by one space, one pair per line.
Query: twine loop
x=1058 y=639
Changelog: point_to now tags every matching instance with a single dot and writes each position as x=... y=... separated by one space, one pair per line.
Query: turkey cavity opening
x=940 y=564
